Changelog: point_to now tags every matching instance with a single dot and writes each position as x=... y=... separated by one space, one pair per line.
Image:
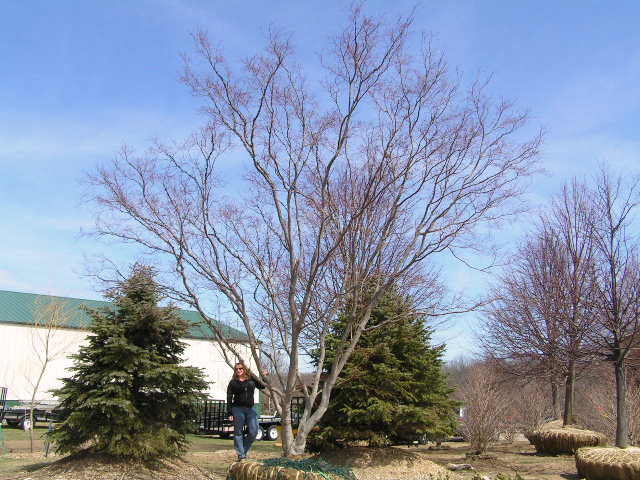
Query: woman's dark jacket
x=240 y=393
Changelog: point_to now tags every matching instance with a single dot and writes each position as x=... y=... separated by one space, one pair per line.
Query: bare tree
x=571 y=215
x=48 y=343
x=521 y=330
x=616 y=306
x=598 y=410
x=528 y=404
x=537 y=325
x=485 y=408
x=458 y=371
x=350 y=188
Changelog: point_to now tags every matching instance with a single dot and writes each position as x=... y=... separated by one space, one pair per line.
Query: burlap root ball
x=597 y=463
x=565 y=440
x=256 y=471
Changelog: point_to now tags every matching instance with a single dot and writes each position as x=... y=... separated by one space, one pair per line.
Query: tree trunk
x=31 y=428
x=555 y=403
x=298 y=446
x=621 y=408
x=568 y=395
x=294 y=445
x=33 y=398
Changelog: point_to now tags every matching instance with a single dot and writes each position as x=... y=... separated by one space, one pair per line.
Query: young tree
x=359 y=183
x=129 y=395
x=393 y=388
x=49 y=317
x=571 y=215
x=616 y=306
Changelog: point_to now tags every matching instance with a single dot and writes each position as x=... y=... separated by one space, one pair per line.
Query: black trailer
x=19 y=415
x=213 y=420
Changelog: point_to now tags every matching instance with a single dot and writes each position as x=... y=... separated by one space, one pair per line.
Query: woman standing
x=241 y=410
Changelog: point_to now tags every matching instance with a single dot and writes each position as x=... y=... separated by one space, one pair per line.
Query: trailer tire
x=260 y=434
x=272 y=432
x=25 y=424
x=225 y=434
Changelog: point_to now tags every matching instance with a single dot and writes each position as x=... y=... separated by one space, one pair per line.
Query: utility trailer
x=18 y=415
x=213 y=420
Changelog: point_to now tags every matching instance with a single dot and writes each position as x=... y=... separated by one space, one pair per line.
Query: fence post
x=3 y=401
x=47 y=442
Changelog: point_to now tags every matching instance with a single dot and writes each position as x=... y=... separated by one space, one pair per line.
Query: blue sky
x=78 y=78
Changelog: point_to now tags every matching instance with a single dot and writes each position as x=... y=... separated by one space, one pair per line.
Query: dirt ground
x=397 y=463
x=507 y=459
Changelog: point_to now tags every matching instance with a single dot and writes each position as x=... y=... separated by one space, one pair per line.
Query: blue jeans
x=244 y=416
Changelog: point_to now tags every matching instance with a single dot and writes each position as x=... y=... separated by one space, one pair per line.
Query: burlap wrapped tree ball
x=247 y=470
x=597 y=463
x=565 y=440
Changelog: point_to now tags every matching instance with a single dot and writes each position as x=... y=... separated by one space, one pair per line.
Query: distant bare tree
x=458 y=371
x=537 y=325
x=529 y=405
x=349 y=189
x=616 y=305
x=521 y=330
x=51 y=314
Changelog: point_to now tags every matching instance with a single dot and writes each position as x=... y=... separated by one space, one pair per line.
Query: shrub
x=485 y=409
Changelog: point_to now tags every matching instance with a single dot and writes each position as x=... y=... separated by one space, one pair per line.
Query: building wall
x=22 y=353
x=22 y=349
x=208 y=356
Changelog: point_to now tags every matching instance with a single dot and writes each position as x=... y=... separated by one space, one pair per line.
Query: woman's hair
x=235 y=374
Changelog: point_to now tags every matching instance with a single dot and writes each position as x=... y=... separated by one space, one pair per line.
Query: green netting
x=314 y=464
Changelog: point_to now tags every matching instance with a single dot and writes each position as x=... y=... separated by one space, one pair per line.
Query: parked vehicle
x=19 y=415
x=268 y=427
x=214 y=420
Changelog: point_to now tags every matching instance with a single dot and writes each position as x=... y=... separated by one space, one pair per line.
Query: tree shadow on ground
x=32 y=467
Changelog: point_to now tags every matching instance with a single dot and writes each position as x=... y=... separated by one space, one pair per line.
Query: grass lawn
x=208 y=443
x=19 y=459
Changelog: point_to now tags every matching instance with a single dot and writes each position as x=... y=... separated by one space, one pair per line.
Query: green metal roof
x=18 y=308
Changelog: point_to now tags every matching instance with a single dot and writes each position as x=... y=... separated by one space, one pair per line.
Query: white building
x=24 y=336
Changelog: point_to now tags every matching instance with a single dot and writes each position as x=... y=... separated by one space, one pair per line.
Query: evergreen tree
x=129 y=396
x=393 y=388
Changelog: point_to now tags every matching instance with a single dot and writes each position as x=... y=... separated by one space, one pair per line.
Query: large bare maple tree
x=351 y=184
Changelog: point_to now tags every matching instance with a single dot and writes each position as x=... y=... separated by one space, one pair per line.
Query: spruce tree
x=393 y=388
x=129 y=396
